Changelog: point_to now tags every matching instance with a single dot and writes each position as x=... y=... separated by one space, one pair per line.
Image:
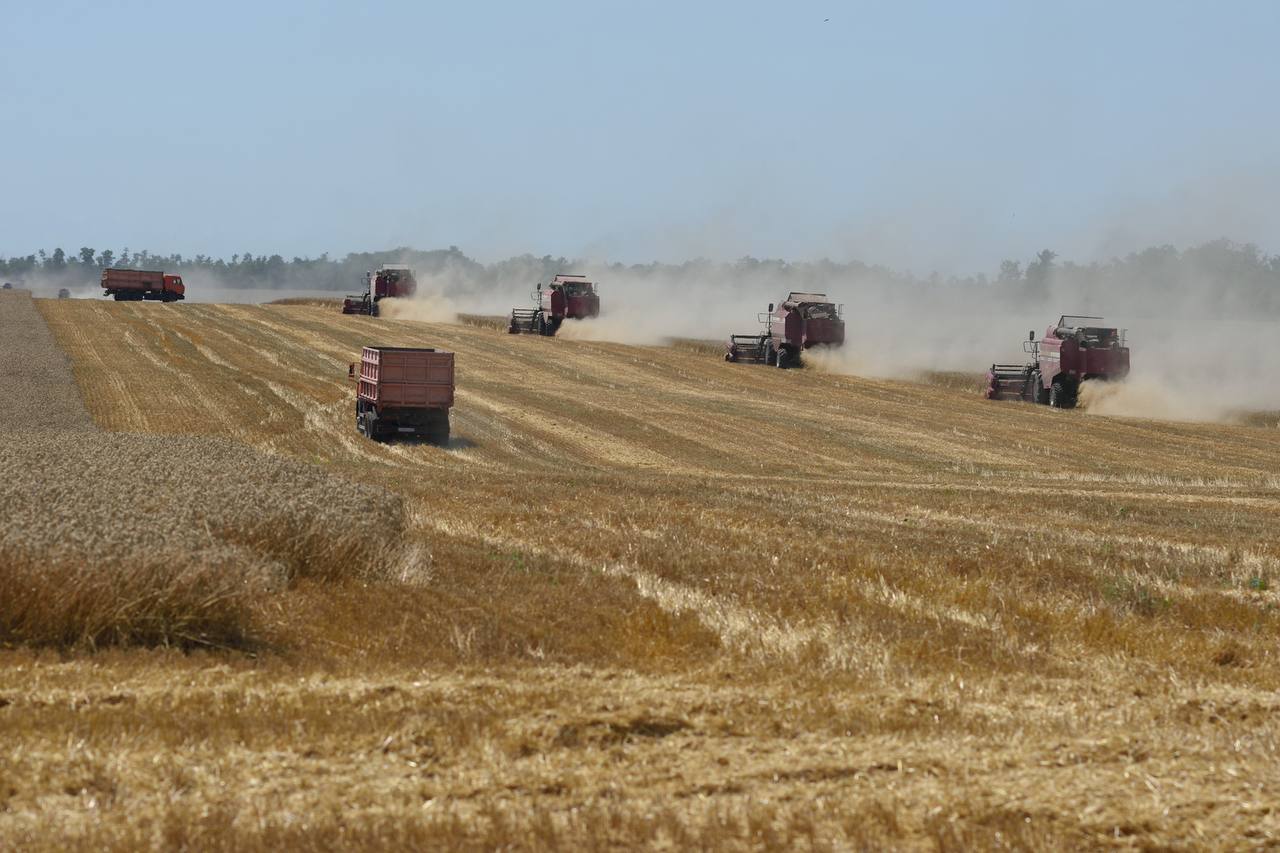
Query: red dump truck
x=404 y=391
x=132 y=285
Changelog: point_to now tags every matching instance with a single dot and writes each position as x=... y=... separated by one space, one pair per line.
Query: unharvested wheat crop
x=111 y=538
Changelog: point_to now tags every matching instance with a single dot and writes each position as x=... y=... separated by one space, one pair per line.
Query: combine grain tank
x=134 y=285
x=404 y=391
x=800 y=321
x=1073 y=350
x=567 y=297
x=391 y=280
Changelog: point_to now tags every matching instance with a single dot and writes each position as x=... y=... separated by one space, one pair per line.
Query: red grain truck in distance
x=133 y=285
x=404 y=391
x=1074 y=349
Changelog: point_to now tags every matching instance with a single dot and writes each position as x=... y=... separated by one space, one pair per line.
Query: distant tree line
x=1222 y=276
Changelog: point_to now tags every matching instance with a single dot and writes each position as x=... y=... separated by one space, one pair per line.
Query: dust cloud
x=1193 y=358
x=429 y=304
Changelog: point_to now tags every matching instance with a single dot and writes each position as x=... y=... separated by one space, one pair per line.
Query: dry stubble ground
x=664 y=600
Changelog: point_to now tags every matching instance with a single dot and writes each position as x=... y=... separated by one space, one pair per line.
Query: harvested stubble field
x=648 y=598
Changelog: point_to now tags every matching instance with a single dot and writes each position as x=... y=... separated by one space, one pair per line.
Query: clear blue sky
x=920 y=135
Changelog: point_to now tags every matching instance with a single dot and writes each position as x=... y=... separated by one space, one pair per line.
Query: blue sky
x=919 y=135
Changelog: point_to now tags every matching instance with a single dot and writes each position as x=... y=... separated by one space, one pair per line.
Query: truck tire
x=783 y=357
x=1057 y=396
x=438 y=432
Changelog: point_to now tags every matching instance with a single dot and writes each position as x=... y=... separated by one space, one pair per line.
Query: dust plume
x=1196 y=354
x=1145 y=397
x=428 y=305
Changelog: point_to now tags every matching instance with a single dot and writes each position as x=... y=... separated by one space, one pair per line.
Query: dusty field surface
x=659 y=600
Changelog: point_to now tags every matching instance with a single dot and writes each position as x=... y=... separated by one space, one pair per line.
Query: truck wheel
x=1057 y=395
x=439 y=434
x=782 y=358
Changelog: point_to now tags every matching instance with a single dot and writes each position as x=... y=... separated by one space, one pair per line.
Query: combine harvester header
x=799 y=322
x=1073 y=350
x=567 y=297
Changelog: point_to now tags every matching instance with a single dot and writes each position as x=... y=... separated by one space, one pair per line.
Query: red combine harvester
x=1073 y=349
x=567 y=297
x=801 y=321
x=401 y=390
x=135 y=285
x=395 y=280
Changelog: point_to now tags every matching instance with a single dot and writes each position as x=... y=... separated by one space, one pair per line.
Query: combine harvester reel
x=567 y=297
x=798 y=323
x=1074 y=350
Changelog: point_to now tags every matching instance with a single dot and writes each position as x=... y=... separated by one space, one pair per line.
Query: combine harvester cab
x=136 y=285
x=403 y=391
x=394 y=281
x=567 y=297
x=799 y=322
x=1074 y=350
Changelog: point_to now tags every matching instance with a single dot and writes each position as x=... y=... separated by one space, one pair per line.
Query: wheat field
x=647 y=598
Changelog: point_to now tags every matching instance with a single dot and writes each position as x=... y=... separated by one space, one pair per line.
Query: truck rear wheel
x=1057 y=396
x=438 y=432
